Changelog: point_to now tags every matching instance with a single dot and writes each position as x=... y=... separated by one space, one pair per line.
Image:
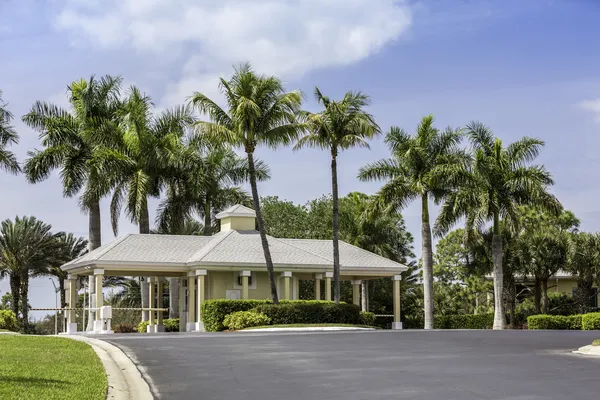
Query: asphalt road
x=461 y=365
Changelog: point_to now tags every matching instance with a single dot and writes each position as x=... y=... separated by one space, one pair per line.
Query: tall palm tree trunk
x=336 y=244
x=261 y=227
x=24 y=305
x=144 y=225
x=207 y=219
x=499 y=319
x=427 y=254
x=537 y=295
x=15 y=289
x=544 y=296
x=95 y=241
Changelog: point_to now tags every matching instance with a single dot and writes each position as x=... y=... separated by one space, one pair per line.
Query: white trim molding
x=397 y=277
x=98 y=271
x=201 y=272
x=329 y=275
x=286 y=274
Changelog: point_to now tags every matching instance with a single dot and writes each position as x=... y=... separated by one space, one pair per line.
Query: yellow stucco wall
x=238 y=223
x=220 y=282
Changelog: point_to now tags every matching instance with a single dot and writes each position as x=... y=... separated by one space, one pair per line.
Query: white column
x=397 y=324
x=160 y=282
x=191 y=320
x=200 y=274
x=365 y=295
x=182 y=309
x=328 y=276
x=151 y=328
x=287 y=277
x=245 y=279
x=356 y=292
x=318 y=278
x=99 y=277
x=72 y=323
x=91 y=303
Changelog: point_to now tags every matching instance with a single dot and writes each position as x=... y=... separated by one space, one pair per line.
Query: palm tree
x=583 y=260
x=69 y=248
x=136 y=158
x=27 y=247
x=8 y=136
x=259 y=112
x=340 y=126
x=204 y=184
x=499 y=179
x=411 y=175
x=70 y=142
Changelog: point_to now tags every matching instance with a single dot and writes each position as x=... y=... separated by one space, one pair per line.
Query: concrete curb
x=589 y=351
x=125 y=381
x=313 y=329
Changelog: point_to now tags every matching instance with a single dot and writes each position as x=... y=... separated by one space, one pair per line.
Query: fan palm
x=27 y=247
x=499 y=179
x=411 y=175
x=204 y=185
x=259 y=112
x=340 y=126
x=70 y=143
x=8 y=136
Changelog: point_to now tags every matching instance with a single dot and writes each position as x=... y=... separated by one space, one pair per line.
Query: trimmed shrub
x=548 y=322
x=590 y=321
x=171 y=324
x=311 y=312
x=125 y=328
x=142 y=326
x=214 y=311
x=466 y=321
x=245 y=319
x=575 y=322
x=8 y=320
x=367 y=318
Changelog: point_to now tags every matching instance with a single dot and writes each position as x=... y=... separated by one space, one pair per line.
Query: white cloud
x=592 y=106
x=207 y=37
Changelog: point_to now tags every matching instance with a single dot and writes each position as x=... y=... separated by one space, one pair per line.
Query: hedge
x=466 y=321
x=245 y=319
x=553 y=322
x=367 y=318
x=8 y=320
x=171 y=325
x=214 y=311
x=311 y=312
x=590 y=321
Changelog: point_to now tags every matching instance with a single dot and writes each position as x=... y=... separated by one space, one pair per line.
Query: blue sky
x=522 y=67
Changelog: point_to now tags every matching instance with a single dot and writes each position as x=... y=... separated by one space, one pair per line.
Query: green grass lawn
x=596 y=342
x=44 y=367
x=310 y=326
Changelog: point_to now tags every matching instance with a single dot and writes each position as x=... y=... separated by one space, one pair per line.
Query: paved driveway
x=459 y=365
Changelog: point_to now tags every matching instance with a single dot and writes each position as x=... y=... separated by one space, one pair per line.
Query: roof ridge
x=210 y=246
x=371 y=253
x=300 y=248
x=105 y=250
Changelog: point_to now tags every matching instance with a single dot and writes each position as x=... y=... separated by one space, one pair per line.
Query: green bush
x=367 y=318
x=311 y=312
x=466 y=321
x=171 y=324
x=590 y=321
x=383 y=322
x=8 y=320
x=575 y=322
x=553 y=322
x=245 y=319
x=124 y=328
x=142 y=326
x=214 y=311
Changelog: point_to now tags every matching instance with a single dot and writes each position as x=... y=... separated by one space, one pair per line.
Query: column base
x=71 y=328
x=160 y=327
x=396 y=325
x=98 y=326
x=199 y=327
x=151 y=329
x=190 y=326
